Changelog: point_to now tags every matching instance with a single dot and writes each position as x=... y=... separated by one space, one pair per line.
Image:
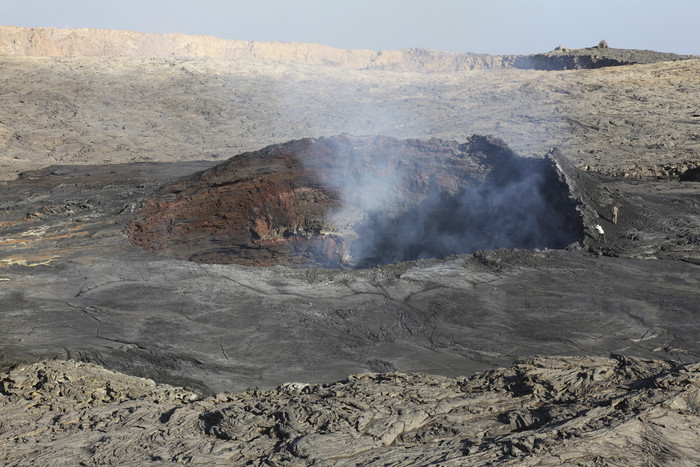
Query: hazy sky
x=486 y=26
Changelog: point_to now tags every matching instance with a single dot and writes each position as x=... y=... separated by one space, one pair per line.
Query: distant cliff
x=51 y=42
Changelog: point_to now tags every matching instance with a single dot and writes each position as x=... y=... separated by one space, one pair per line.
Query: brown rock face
x=353 y=202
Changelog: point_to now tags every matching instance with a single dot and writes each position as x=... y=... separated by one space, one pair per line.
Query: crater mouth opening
x=356 y=202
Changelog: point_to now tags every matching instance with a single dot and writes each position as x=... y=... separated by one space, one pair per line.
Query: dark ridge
x=599 y=56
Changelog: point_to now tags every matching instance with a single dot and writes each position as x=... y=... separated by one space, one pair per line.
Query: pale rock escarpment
x=52 y=42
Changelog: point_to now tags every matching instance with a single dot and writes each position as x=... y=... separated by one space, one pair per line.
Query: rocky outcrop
x=349 y=201
x=52 y=42
x=600 y=56
x=574 y=410
x=592 y=57
x=297 y=203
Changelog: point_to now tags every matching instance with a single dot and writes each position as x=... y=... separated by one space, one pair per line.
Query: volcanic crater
x=356 y=202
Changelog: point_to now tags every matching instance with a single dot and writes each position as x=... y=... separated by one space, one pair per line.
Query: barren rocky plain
x=132 y=332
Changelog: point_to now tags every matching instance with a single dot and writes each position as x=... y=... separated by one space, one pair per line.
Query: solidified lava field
x=279 y=258
x=196 y=213
x=346 y=201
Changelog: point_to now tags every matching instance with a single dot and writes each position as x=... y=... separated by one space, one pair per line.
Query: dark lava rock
x=74 y=287
x=691 y=175
x=592 y=57
x=360 y=201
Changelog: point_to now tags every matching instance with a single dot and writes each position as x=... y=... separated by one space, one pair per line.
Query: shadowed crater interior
x=349 y=201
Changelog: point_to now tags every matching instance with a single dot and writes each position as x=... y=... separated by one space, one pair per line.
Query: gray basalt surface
x=73 y=286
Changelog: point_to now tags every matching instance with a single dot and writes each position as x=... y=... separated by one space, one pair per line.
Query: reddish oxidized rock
x=295 y=203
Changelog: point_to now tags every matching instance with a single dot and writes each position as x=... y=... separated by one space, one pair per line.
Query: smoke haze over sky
x=492 y=27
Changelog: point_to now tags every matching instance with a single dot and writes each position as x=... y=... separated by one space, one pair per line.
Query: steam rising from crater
x=358 y=202
x=514 y=213
x=519 y=204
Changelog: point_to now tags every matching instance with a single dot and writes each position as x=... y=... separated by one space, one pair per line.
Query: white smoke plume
x=395 y=209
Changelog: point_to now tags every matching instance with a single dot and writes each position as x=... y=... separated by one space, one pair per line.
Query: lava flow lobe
x=349 y=201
